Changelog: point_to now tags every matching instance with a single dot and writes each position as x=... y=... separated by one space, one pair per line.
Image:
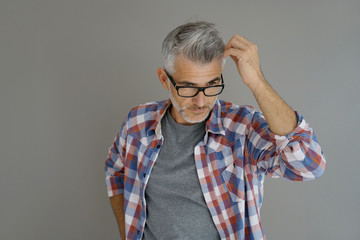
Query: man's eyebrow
x=187 y=82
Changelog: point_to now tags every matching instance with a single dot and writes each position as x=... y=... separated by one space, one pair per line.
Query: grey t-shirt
x=176 y=207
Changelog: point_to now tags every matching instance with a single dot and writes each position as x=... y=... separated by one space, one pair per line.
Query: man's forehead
x=186 y=68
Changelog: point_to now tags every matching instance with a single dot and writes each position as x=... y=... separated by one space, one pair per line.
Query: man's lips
x=198 y=110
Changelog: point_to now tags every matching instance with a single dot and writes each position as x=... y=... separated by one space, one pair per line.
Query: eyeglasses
x=188 y=92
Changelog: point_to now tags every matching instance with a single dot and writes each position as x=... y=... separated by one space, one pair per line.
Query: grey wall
x=70 y=70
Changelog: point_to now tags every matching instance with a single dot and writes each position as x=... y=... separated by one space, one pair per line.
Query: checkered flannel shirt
x=236 y=153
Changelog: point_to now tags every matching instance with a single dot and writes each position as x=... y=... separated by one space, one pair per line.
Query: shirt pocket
x=234 y=180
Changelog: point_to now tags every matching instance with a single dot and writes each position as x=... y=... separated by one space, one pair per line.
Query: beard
x=183 y=109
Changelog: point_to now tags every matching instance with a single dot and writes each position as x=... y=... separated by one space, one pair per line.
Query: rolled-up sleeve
x=114 y=164
x=296 y=156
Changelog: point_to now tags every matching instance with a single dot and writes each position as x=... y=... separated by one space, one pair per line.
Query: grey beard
x=182 y=110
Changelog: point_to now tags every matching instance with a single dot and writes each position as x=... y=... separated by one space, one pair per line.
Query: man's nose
x=200 y=99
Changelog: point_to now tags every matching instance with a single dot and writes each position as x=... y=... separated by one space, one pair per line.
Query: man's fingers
x=237 y=53
x=237 y=39
x=244 y=40
x=237 y=43
x=240 y=50
x=229 y=43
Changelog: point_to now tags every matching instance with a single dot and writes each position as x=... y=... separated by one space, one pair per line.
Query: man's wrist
x=258 y=85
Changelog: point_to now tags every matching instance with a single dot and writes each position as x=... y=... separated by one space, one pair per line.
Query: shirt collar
x=156 y=125
x=213 y=123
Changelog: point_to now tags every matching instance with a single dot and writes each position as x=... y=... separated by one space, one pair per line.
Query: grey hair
x=199 y=41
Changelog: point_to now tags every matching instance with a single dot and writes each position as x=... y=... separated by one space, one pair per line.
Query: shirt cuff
x=115 y=186
x=301 y=132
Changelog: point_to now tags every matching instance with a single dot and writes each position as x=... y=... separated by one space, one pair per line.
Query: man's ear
x=163 y=78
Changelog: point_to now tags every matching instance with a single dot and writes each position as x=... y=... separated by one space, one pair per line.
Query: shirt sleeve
x=114 y=164
x=296 y=156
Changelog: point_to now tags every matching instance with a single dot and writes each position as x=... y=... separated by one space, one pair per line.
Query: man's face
x=187 y=73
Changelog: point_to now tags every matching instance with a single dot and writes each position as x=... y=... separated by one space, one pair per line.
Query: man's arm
x=279 y=116
x=290 y=149
x=114 y=172
x=117 y=204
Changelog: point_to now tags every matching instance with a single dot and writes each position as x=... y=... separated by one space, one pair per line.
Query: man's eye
x=214 y=83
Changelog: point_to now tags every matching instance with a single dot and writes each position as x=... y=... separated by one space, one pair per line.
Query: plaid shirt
x=237 y=151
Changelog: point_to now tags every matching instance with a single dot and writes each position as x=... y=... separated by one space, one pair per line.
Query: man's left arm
x=283 y=145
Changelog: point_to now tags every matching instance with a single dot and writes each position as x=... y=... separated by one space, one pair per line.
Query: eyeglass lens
x=189 y=92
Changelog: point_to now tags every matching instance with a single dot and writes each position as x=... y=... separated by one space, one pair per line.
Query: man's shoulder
x=236 y=119
x=143 y=117
x=149 y=107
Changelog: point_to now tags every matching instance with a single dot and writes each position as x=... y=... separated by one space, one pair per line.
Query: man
x=193 y=167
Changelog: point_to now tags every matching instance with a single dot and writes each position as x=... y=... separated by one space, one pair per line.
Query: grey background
x=71 y=70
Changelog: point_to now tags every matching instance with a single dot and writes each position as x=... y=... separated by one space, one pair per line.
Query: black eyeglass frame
x=198 y=88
